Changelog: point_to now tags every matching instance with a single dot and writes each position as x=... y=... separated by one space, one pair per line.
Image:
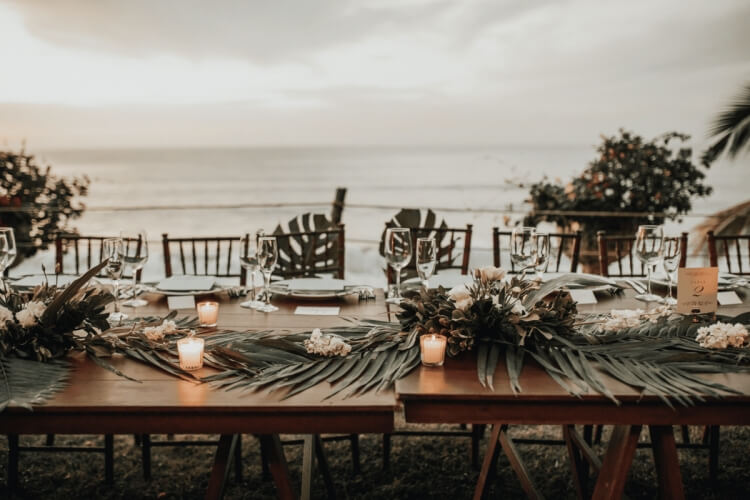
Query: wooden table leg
x=307 y=466
x=278 y=466
x=320 y=455
x=578 y=466
x=222 y=463
x=12 y=473
x=667 y=463
x=518 y=466
x=616 y=464
x=489 y=460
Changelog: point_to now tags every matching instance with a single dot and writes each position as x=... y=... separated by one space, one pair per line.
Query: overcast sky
x=100 y=73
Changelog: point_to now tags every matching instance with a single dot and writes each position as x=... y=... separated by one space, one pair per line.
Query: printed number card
x=697 y=289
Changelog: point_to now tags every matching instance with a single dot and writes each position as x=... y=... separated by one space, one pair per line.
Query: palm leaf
x=28 y=382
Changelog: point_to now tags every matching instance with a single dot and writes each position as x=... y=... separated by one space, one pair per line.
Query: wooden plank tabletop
x=452 y=394
x=99 y=401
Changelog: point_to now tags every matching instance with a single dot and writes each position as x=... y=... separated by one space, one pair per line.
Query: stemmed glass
x=134 y=257
x=268 y=253
x=672 y=253
x=426 y=259
x=542 y=254
x=4 y=259
x=112 y=249
x=397 y=254
x=11 y=252
x=649 y=246
x=249 y=262
x=523 y=247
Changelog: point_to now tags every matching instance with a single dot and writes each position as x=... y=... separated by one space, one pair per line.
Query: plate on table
x=313 y=288
x=31 y=281
x=446 y=280
x=191 y=285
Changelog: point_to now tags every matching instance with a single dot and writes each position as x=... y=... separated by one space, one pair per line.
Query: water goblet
x=112 y=250
x=426 y=259
x=672 y=254
x=268 y=254
x=649 y=246
x=249 y=262
x=542 y=254
x=4 y=252
x=397 y=254
x=523 y=248
x=134 y=257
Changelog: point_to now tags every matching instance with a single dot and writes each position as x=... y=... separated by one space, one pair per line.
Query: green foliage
x=630 y=174
x=731 y=129
x=35 y=203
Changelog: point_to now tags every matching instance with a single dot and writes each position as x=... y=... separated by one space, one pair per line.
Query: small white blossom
x=722 y=335
x=518 y=308
x=157 y=333
x=622 y=318
x=326 y=345
x=30 y=314
x=461 y=296
x=489 y=274
x=5 y=316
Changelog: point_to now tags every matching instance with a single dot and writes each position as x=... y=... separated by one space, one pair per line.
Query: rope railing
x=510 y=209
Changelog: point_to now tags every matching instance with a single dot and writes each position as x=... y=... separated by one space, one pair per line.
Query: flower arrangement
x=50 y=321
x=488 y=311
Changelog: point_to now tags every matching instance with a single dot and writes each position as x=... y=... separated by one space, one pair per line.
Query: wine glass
x=134 y=257
x=12 y=249
x=4 y=252
x=649 y=245
x=268 y=253
x=542 y=254
x=523 y=247
x=112 y=250
x=426 y=259
x=672 y=254
x=397 y=254
x=249 y=262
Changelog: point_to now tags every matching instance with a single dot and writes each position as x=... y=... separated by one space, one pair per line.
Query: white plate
x=34 y=280
x=314 y=288
x=186 y=283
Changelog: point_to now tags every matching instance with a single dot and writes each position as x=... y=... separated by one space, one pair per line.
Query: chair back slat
x=731 y=261
x=84 y=251
x=561 y=245
x=622 y=248
x=209 y=251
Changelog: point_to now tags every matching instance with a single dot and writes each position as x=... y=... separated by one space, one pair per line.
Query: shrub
x=35 y=203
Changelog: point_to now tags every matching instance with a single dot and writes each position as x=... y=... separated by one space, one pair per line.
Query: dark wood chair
x=620 y=250
x=311 y=253
x=561 y=244
x=86 y=252
x=206 y=256
x=735 y=249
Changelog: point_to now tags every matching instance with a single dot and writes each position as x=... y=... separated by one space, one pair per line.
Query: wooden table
x=452 y=394
x=98 y=401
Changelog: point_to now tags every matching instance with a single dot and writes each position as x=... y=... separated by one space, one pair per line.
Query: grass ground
x=421 y=467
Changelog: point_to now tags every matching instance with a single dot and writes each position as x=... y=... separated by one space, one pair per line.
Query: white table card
x=583 y=296
x=317 y=311
x=729 y=298
x=697 y=289
x=181 y=302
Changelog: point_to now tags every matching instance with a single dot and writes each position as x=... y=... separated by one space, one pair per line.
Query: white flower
x=518 y=308
x=326 y=345
x=5 y=316
x=30 y=314
x=461 y=296
x=516 y=290
x=490 y=274
x=157 y=333
x=722 y=335
x=622 y=318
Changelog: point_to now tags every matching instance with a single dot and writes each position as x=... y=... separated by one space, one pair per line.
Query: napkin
x=186 y=283
x=313 y=284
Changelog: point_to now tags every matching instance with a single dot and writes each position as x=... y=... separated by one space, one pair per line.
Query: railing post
x=338 y=205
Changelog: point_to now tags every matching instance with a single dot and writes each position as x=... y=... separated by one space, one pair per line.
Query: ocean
x=201 y=192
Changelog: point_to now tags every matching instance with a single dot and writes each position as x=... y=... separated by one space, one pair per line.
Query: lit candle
x=190 y=350
x=208 y=313
x=432 y=349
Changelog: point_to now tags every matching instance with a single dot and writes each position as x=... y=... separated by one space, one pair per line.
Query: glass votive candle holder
x=190 y=350
x=208 y=312
x=432 y=349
